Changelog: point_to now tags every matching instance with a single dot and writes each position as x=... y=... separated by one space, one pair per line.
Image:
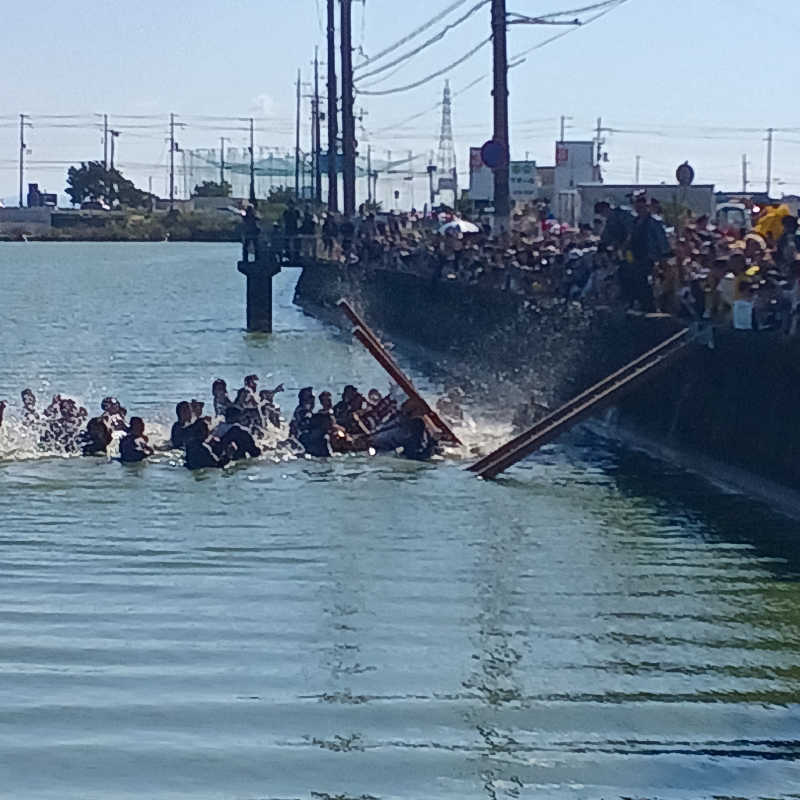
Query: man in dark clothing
x=303 y=413
x=648 y=244
x=134 y=446
x=251 y=232
x=788 y=244
x=291 y=220
x=96 y=438
x=183 y=411
x=238 y=441
x=316 y=438
x=204 y=451
x=617 y=227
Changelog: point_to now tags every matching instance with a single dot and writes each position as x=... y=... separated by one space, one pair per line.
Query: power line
x=432 y=76
x=433 y=40
x=429 y=24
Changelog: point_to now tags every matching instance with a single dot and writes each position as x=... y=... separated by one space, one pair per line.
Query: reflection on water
x=593 y=625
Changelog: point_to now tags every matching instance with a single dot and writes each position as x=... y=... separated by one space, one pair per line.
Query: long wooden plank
x=577 y=401
x=399 y=377
x=589 y=408
x=392 y=367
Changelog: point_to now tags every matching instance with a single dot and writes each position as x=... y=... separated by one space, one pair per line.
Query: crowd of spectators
x=629 y=257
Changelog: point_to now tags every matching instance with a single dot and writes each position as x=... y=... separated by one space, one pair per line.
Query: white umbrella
x=460 y=225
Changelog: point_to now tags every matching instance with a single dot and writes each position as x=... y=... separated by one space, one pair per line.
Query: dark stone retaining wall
x=737 y=403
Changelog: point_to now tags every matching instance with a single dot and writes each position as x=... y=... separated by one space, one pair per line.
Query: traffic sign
x=494 y=154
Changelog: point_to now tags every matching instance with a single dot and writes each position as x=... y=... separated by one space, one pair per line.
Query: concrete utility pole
x=105 y=141
x=252 y=164
x=171 y=161
x=333 y=123
x=22 y=124
x=369 y=174
x=348 y=120
x=502 y=202
x=638 y=170
x=745 y=182
x=770 y=132
x=113 y=135
x=297 y=144
x=317 y=133
x=222 y=140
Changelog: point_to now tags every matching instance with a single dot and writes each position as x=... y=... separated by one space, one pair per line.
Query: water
x=593 y=625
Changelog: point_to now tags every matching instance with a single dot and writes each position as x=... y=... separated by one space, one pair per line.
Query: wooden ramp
x=597 y=398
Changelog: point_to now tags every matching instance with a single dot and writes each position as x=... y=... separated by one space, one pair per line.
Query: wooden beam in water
x=578 y=400
x=379 y=353
x=600 y=397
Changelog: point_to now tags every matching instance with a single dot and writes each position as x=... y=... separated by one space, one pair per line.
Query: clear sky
x=682 y=77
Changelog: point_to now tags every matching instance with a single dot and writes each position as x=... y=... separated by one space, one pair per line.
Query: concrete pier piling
x=259 y=273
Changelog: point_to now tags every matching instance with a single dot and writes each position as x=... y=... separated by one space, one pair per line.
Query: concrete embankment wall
x=735 y=403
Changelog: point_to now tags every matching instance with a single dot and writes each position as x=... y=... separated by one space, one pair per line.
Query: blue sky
x=687 y=74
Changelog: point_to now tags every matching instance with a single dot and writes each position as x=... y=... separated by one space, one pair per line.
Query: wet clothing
x=409 y=434
x=202 y=455
x=221 y=404
x=96 y=438
x=316 y=443
x=179 y=435
x=300 y=421
x=244 y=442
x=133 y=449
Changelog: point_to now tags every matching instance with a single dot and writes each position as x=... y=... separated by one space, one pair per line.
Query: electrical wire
x=430 y=77
x=433 y=40
x=398 y=44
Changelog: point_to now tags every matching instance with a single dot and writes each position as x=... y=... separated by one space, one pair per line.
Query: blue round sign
x=493 y=154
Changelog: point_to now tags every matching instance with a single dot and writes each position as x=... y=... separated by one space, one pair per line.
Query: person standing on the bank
x=649 y=245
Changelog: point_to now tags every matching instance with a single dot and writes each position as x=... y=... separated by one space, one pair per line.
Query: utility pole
x=600 y=140
x=222 y=140
x=638 y=169
x=348 y=120
x=333 y=126
x=22 y=125
x=252 y=164
x=317 y=133
x=105 y=141
x=770 y=132
x=745 y=182
x=502 y=202
x=171 y=162
x=297 y=144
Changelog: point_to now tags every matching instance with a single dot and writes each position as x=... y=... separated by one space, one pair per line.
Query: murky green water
x=593 y=625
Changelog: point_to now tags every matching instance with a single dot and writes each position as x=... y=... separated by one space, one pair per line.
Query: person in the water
x=316 y=438
x=270 y=413
x=349 y=411
x=237 y=440
x=96 y=438
x=178 y=435
x=30 y=416
x=303 y=412
x=114 y=414
x=204 y=451
x=219 y=392
x=134 y=446
x=407 y=432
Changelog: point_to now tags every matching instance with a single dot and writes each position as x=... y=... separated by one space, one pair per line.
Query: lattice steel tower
x=447 y=153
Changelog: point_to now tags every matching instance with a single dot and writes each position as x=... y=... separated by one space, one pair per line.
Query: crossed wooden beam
x=367 y=337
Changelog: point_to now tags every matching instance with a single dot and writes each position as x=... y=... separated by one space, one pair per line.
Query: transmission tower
x=447 y=153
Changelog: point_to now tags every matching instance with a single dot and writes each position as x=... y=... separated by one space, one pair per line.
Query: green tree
x=92 y=181
x=213 y=189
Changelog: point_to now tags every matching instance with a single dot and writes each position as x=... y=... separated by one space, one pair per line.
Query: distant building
x=39 y=199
